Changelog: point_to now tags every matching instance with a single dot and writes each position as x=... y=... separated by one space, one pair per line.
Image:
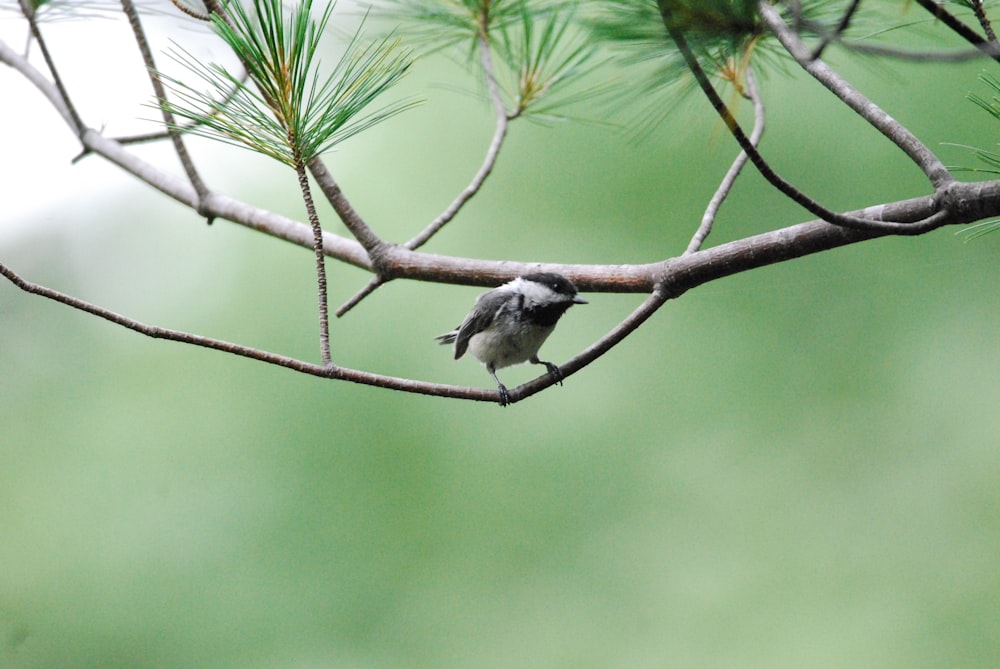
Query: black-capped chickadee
x=508 y=324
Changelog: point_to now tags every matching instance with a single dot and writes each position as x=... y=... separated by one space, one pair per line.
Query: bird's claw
x=504 y=395
x=553 y=372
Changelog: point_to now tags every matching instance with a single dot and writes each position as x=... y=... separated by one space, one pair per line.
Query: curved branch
x=667 y=279
x=70 y=111
x=920 y=56
x=845 y=21
x=161 y=95
x=962 y=30
x=984 y=21
x=492 y=153
x=184 y=9
x=323 y=371
x=963 y=202
x=640 y=315
x=349 y=216
x=722 y=191
x=934 y=220
x=918 y=152
x=670 y=279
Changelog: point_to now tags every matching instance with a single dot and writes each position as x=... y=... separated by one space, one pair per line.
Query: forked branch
x=952 y=203
x=934 y=220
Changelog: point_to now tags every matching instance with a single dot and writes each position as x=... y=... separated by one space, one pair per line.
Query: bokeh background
x=798 y=466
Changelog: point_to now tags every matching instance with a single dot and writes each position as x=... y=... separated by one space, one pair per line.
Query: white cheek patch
x=535 y=293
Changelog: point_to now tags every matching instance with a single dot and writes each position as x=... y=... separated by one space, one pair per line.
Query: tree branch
x=734 y=170
x=934 y=220
x=964 y=31
x=845 y=21
x=76 y=123
x=352 y=220
x=667 y=279
x=323 y=371
x=984 y=21
x=929 y=163
x=161 y=96
x=321 y=288
x=492 y=153
x=952 y=203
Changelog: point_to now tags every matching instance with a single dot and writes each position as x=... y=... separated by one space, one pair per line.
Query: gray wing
x=488 y=305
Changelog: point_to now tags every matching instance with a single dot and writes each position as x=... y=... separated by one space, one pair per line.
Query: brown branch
x=934 y=220
x=726 y=186
x=189 y=11
x=67 y=104
x=670 y=278
x=917 y=151
x=984 y=21
x=323 y=371
x=492 y=153
x=317 y=230
x=161 y=96
x=351 y=219
x=962 y=30
x=921 y=56
x=845 y=21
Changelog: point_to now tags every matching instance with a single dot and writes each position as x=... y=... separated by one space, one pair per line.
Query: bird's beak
x=579 y=300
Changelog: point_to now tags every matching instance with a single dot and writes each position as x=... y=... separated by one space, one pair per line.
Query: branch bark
x=952 y=202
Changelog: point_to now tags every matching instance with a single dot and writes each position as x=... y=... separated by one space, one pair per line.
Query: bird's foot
x=553 y=372
x=504 y=396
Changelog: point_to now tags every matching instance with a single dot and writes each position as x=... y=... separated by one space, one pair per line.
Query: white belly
x=512 y=349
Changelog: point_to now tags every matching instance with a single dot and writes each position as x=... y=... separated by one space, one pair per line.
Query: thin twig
x=499 y=133
x=189 y=11
x=630 y=324
x=324 y=310
x=984 y=21
x=161 y=96
x=917 y=151
x=933 y=221
x=922 y=56
x=492 y=153
x=323 y=371
x=845 y=21
x=29 y=13
x=726 y=186
x=671 y=278
x=962 y=30
x=150 y=137
x=348 y=215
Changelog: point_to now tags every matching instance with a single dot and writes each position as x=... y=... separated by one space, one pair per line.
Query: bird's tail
x=447 y=337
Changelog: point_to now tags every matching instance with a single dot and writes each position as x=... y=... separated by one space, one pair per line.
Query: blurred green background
x=798 y=466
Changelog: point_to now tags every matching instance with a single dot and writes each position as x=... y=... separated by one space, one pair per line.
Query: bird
x=508 y=324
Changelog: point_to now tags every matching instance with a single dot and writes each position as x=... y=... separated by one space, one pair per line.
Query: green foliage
x=991 y=158
x=538 y=50
x=991 y=105
x=55 y=10
x=449 y=23
x=540 y=55
x=289 y=110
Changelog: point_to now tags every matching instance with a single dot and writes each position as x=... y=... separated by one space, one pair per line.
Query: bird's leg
x=501 y=388
x=553 y=370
